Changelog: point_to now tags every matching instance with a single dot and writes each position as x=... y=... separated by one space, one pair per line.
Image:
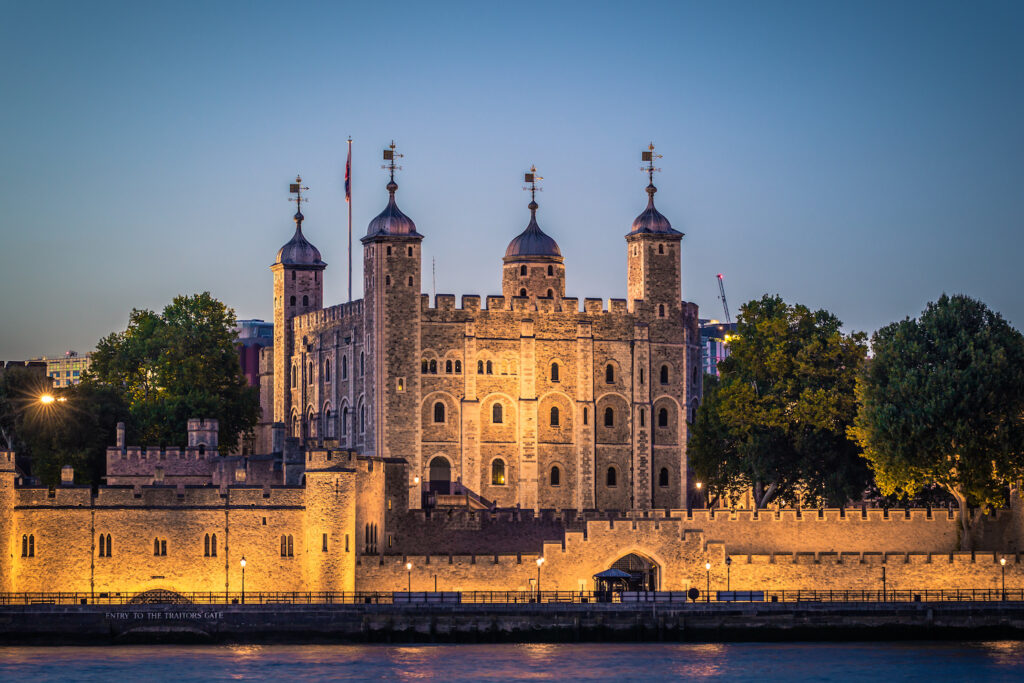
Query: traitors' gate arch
x=644 y=573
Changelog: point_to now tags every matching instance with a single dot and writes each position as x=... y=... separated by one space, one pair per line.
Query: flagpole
x=349 y=170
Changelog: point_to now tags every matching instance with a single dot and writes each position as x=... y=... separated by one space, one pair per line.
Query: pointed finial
x=649 y=156
x=531 y=177
x=296 y=189
x=389 y=156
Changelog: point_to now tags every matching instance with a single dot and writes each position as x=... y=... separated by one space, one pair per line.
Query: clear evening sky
x=863 y=156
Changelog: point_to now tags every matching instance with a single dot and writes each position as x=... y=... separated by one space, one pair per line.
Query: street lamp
x=540 y=561
x=728 y=578
x=243 y=578
x=47 y=399
x=408 y=568
x=707 y=591
x=1002 y=568
x=700 y=493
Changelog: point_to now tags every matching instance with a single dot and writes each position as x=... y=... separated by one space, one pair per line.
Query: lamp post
x=700 y=493
x=408 y=568
x=1002 y=568
x=243 y=578
x=728 y=578
x=540 y=561
x=707 y=591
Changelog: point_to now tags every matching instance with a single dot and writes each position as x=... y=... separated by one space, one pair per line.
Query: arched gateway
x=440 y=475
x=630 y=573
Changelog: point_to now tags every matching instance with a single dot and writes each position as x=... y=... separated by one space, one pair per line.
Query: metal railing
x=512 y=597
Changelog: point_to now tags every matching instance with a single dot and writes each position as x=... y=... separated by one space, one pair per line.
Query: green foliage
x=941 y=402
x=175 y=366
x=776 y=421
x=20 y=389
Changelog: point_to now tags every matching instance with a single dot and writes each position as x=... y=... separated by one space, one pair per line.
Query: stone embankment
x=56 y=624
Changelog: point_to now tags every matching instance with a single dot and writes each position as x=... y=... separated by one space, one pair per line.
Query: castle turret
x=330 y=495
x=654 y=270
x=533 y=263
x=7 y=541
x=298 y=288
x=391 y=310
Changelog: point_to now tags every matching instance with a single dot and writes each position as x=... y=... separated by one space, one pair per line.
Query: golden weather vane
x=297 y=189
x=389 y=156
x=531 y=177
x=649 y=156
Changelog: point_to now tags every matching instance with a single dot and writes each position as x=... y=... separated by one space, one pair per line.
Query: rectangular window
x=264 y=521
x=346 y=543
x=325 y=543
x=390 y=539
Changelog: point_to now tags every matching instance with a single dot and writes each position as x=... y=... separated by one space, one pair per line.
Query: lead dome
x=532 y=242
x=298 y=251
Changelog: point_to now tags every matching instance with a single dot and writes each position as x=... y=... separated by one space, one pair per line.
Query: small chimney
x=120 y=436
x=67 y=475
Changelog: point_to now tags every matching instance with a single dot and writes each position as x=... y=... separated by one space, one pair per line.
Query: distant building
x=67 y=369
x=714 y=344
x=250 y=337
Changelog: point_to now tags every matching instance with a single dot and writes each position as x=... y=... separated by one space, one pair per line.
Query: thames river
x=932 y=662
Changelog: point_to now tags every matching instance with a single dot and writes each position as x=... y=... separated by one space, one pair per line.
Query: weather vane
x=649 y=156
x=389 y=156
x=296 y=189
x=532 y=179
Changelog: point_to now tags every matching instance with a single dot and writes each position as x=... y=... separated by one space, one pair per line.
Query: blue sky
x=863 y=157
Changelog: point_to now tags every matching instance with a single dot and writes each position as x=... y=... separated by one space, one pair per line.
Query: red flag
x=348 y=175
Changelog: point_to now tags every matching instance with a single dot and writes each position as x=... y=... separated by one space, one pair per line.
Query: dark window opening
x=609 y=417
x=663 y=477
x=554 y=372
x=439 y=412
x=498 y=472
x=554 y=416
x=663 y=418
x=664 y=374
x=611 y=479
x=609 y=374
x=556 y=476
x=496 y=413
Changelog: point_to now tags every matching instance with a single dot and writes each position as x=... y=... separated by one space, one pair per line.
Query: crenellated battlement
x=471 y=303
x=161 y=496
x=328 y=316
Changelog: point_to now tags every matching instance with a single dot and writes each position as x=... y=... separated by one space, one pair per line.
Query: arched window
x=554 y=416
x=410 y=251
x=661 y=248
x=103 y=546
x=586 y=415
x=292 y=300
x=410 y=280
x=664 y=374
x=344 y=367
x=213 y=545
x=522 y=270
x=362 y=419
x=425 y=366
x=344 y=420
x=498 y=472
x=458 y=367
x=551 y=293
x=156 y=546
x=496 y=413
x=284 y=546
x=389 y=251
x=609 y=417
x=295 y=376
x=206 y=546
x=551 y=270
x=522 y=292
x=328 y=423
x=479 y=367
x=556 y=476
x=110 y=547
x=663 y=418
x=387 y=280
x=643 y=417
x=663 y=477
x=490 y=368
x=327 y=370
x=661 y=310
x=309 y=378
x=433 y=367
x=694 y=374
x=291 y=547
x=554 y=372
x=448 y=367
x=305 y=299
x=612 y=477
x=202 y=449
x=362 y=363
x=439 y=412
x=609 y=373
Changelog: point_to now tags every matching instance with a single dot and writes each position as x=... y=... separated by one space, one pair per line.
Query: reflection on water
x=1002 y=660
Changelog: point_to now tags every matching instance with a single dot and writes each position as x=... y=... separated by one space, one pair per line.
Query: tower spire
x=296 y=189
x=649 y=156
x=531 y=177
x=390 y=155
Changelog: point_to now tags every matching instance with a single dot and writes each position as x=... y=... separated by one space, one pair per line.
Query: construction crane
x=725 y=304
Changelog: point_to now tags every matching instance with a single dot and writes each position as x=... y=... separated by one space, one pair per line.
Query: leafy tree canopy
x=941 y=402
x=177 y=365
x=776 y=421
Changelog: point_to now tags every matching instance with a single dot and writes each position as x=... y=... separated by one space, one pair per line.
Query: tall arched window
x=410 y=280
x=522 y=270
x=479 y=367
x=496 y=413
x=612 y=477
x=103 y=546
x=291 y=548
x=522 y=291
x=498 y=472
x=609 y=373
x=448 y=367
x=439 y=412
x=554 y=372
x=551 y=270
x=309 y=378
x=344 y=421
x=664 y=374
x=643 y=417
x=661 y=310
x=362 y=363
x=425 y=366
x=344 y=367
x=586 y=415
x=661 y=248
x=327 y=370
x=206 y=545
x=556 y=476
x=362 y=419
x=328 y=422
x=284 y=546
x=110 y=547
x=291 y=301
x=551 y=293
x=663 y=418
x=295 y=375
x=213 y=545
x=609 y=417
x=458 y=367
x=663 y=477
x=433 y=367
x=490 y=368
x=305 y=299
x=554 y=416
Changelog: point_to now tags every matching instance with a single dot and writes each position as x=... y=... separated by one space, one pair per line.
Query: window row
x=523 y=271
x=430 y=367
x=550 y=294
x=370 y=540
x=328 y=377
x=409 y=251
x=387 y=280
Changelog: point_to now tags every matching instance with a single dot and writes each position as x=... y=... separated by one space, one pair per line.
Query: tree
x=20 y=390
x=178 y=365
x=941 y=402
x=776 y=421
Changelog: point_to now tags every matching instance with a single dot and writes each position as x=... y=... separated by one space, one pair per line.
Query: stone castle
x=526 y=401
x=469 y=448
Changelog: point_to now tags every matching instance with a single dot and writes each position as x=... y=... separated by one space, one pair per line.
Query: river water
x=932 y=662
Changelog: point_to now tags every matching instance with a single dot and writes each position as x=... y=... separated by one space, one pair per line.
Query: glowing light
x=46 y=399
x=698 y=485
x=408 y=566
x=707 y=565
x=1002 y=561
x=540 y=561
x=415 y=480
x=242 y=563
